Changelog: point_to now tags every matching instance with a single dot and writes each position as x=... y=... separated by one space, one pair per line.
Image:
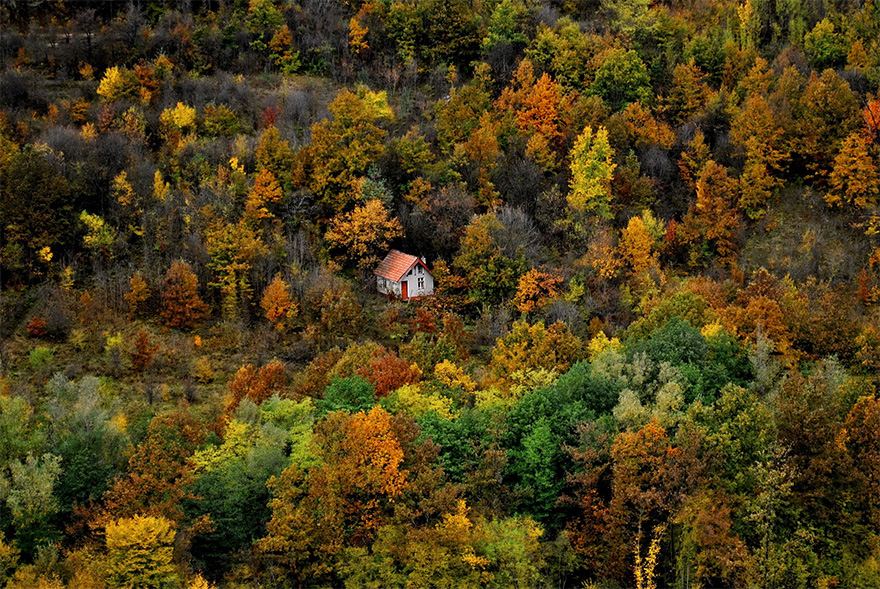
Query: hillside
x=651 y=353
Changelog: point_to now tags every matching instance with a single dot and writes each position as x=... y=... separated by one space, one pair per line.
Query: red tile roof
x=396 y=264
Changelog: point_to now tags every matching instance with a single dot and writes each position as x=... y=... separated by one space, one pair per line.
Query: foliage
x=140 y=551
x=364 y=234
x=652 y=351
x=117 y=83
x=591 y=173
x=277 y=304
x=181 y=306
x=342 y=150
x=621 y=78
x=535 y=346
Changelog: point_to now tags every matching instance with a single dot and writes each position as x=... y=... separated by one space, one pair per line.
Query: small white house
x=404 y=276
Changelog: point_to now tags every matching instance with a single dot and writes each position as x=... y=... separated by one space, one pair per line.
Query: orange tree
x=181 y=306
x=341 y=502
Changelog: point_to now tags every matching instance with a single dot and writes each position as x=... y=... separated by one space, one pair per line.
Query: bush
x=40 y=356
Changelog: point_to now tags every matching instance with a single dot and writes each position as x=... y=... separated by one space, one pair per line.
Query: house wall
x=387 y=287
x=412 y=280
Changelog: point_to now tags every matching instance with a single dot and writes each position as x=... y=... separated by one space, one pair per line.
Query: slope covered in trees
x=652 y=356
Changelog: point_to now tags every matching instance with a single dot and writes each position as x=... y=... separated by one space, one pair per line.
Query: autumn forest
x=651 y=354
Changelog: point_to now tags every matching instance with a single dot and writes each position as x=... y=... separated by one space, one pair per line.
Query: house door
x=404 y=290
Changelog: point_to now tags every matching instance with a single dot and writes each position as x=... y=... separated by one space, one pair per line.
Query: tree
x=140 y=553
x=159 y=476
x=693 y=159
x=277 y=304
x=143 y=353
x=758 y=129
x=636 y=245
x=862 y=427
x=538 y=106
x=343 y=149
x=364 y=235
x=345 y=499
x=265 y=193
x=234 y=248
x=689 y=93
x=505 y=23
x=825 y=114
x=621 y=78
x=855 y=178
x=826 y=48
x=28 y=495
x=714 y=216
x=181 y=306
x=349 y=394
x=591 y=173
x=535 y=289
x=387 y=372
x=491 y=276
x=117 y=83
x=37 y=212
x=709 y=543
x=255 y=385
x=274 y=155
x=137 y=296
x=526 y=346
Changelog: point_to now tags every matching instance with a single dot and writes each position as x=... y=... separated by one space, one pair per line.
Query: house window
x=420 y=270
x=421 y=283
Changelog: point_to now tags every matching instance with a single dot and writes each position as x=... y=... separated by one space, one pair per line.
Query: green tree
x=28 y=494
x=826 y=48
x=351 y=394
x=491 y=276
x=621 y=78
x=505 y=24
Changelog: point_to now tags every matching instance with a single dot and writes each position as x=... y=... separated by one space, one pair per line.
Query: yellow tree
x=275 y=155
x=140 y=550
x=362 y=236
x=535 y=347
x=233 y=249
x=855 y=179
x=591 y=173
x=689 y=92
x=343 y=149
x=117 y=83
x=265 y=192
x=756 y=127
x=137 y=296
x=636 y=244
x=693 y=159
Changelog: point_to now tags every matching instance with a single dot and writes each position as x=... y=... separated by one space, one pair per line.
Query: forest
x=651 y=357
